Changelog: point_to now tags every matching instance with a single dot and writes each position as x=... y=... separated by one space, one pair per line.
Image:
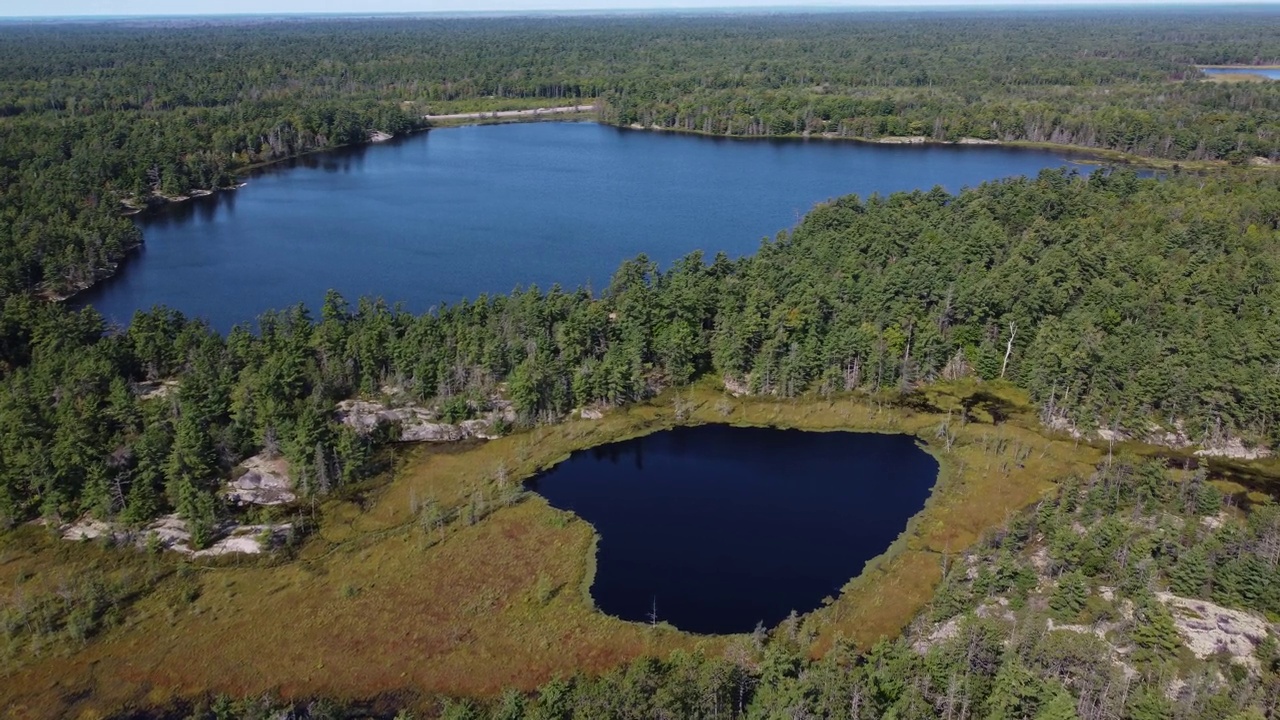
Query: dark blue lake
x=719 y=528
x=457 y=212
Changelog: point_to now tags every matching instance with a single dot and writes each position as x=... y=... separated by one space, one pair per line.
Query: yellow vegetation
x=439 y=582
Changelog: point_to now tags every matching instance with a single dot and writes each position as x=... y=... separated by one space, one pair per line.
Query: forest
x=96 y=114
x=1141 y=305
x=1118 y=302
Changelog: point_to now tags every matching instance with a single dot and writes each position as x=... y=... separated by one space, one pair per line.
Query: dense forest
x=95 y=113
x=1137 y=304
x=1077 y=609
x=1117 y=301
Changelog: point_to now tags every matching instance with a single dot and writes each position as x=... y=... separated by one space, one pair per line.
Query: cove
x=719 y=528
x=453 y=213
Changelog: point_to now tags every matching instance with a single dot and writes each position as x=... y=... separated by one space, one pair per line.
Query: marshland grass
x=447 y=578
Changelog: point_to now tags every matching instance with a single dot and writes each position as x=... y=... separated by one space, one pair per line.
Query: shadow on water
x=725 y=527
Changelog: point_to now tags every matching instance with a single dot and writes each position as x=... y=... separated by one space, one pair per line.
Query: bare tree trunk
x=1008 y=350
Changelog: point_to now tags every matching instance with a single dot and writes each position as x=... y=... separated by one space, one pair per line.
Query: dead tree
x=1008 y=350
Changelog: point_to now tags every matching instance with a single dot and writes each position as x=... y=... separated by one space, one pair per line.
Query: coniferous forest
x=96 y=113
x=1140 y=305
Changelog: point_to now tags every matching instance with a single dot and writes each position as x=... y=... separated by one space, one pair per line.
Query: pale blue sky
x=45 y=8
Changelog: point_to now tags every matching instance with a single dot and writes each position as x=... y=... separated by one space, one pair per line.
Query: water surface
x=457 y=212
x=1270 y=73
x=718 y=528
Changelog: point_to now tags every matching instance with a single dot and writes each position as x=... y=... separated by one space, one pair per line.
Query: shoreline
x=552 y=549
x=499 y=114
x=1237 y=67
x=1088 y=154
x=564 y=114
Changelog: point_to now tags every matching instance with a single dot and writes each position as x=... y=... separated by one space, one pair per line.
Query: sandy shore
x=512 y=113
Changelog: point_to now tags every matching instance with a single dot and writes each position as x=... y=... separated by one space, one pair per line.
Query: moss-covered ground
x=444 y=578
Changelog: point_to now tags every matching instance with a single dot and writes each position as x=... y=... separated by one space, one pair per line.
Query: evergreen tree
x=1069 y=596
x=1191 y=574
x=1015 y=693
x=1058 y=705
x=1149 y=704
x=1154 y=632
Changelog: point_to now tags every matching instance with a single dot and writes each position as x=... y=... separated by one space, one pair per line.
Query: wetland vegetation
x=716 y=529
x=1048 y=339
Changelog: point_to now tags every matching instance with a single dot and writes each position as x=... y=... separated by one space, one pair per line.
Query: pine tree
x=1060 y=705
x=1208 y=500
x=1149 y=704
x=199 y=510
x=191 y=459
x=1015 y=692
x=1191 y=574
x=1069 y=597
x=1154 y=632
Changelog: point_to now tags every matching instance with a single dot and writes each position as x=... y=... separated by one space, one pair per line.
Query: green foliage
x=1058 y=705
x=76 y=436
x=1069 y=596
x=1015 y=693
x=96 y=113
x=1191 y=573
x=1154 y=633
x=1149 y=704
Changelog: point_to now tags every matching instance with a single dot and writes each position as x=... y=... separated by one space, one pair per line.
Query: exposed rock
x=996 y=608
x=87 y=528
x=736 y=387
x=418 y=423
x=940 y=634
x=376 y=136
x=1040 y=559
x=170 y=533
x=1209 y=629
x=422 y=431
x=1062 y=424
x=1233 y=448
x=1099 y=630
x=976 y=141
x=590 y=413
x=1174 y=438
x=1111 y=435
x=1213 y=522
x=155 y=390
x=264 y=482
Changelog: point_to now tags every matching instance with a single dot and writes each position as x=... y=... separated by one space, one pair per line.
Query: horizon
x=141 y=9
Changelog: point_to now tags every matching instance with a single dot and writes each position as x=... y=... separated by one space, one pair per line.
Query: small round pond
x=715 y=528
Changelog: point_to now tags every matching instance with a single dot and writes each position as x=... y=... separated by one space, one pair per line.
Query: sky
x=47 y=8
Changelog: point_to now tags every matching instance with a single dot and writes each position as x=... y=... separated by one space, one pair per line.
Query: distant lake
x=453 y=213
x=1272 y=73
x=716 y=528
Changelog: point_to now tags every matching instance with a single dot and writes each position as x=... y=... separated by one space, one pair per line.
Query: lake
x=1271 y=72
x=718 y=528
x=456 y=212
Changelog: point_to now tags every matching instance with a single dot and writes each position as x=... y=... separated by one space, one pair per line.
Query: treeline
x=62 y=180
x=1115 y=300
x=1059 y=615
x=93 y=113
